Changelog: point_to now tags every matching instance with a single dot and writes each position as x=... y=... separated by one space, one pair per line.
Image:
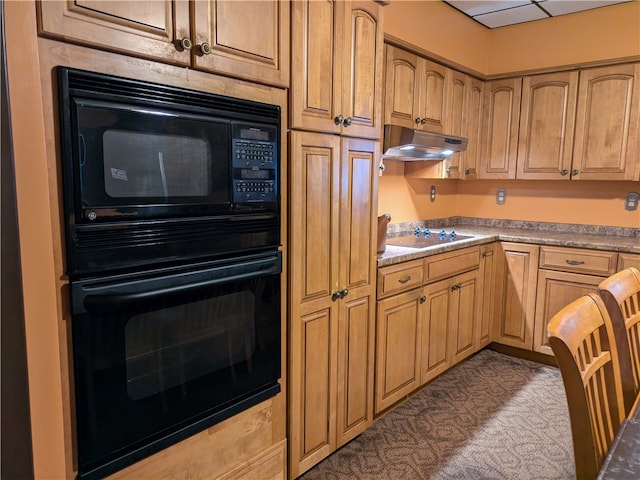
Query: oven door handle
x=113 y=301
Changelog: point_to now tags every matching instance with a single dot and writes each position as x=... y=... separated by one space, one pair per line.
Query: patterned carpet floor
x=491 y=417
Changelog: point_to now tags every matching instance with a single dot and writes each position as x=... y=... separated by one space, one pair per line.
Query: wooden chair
x=582 y=340
x=621 y=295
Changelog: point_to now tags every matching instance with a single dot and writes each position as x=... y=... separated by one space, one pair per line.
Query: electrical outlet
x=631 y=202
x=501 y=196
x=432 y=193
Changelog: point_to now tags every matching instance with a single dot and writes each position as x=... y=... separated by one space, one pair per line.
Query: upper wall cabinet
x=500 y=122
x=415 y=91
x=337 y=67
x=607 y=124
x=547 y=116
x=573 y=125
x=247 y=40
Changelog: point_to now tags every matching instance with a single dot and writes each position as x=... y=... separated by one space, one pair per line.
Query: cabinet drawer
x=399 y=278
x=578 y=260
x=626 y=260
x=451 y=263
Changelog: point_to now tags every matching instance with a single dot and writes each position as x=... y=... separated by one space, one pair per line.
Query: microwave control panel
x=255 y=164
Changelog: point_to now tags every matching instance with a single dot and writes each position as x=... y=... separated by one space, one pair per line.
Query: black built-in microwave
x=157 y=174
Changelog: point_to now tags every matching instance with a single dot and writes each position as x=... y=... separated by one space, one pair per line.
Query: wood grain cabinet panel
x=337 y=65
x=547 y=115
x=398 y=338
x=247 y=40
x=332 y=271
x=500 y=127
x=607 y=124
x=139 y=28
x=628 y=260
x=519 y=273
x=490 y=294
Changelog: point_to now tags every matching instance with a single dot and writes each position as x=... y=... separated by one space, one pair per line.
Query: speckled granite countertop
x=486 y=231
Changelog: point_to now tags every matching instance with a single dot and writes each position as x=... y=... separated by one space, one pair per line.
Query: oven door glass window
x=175 y=352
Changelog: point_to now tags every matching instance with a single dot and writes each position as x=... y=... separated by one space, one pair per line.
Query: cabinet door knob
x=335 y=296
x=204 y=48
x=339 y=119
x=344 y=293
x=575 y=172
x=564 y=172
x=185 y=43
x=418 y=120
x=423 y=121
x=423 y=299
x=347 y=121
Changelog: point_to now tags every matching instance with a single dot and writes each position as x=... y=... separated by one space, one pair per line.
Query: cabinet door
x=555 y=291
x=356 y=336
x=248 y=39
x=490 y=295
x=314 y=242
x=432 y=93
x=314 y=278
x=362 y=69
x=519 y=263
x=436 y=325
x=313 y=377
x=547 y=116
x=316 y=77
x=150 y=29
x=358 y=213
x=465 y=312
x=607 y=124
x=397 y=348
x=470 y=158
x=400 y=84
x=457 y=118
x=500 y=129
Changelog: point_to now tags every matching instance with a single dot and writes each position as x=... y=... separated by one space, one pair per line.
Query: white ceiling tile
x=562 y=7
x=511 y=16
x=478 y=7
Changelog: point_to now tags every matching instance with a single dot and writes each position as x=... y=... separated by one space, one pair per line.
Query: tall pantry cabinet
x=334 y=153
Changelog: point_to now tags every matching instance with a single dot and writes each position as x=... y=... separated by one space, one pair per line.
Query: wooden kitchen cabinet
x=398 y=343
x=450 y=314
x=518 y=264
x=332 y=252
x=566 y=274
x=500 y=126
x=416 y=91
x=607 y=124
x=547 y=116
x=248 y=40
x=490 y=294
x=337 y=65
x=421 y=332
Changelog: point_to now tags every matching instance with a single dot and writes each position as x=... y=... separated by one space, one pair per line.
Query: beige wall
x=605 y=33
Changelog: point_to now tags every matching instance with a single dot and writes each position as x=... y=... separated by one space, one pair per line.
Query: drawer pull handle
x=405 y=279
x=575 y=262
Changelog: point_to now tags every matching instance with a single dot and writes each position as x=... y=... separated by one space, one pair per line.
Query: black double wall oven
x=172 y=213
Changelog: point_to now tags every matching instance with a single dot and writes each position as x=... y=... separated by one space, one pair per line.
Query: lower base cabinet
x=424 y=331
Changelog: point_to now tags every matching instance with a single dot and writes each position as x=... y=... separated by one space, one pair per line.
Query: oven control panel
x=255 y=164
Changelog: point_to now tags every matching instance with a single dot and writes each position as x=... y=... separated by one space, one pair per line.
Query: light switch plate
x=501 y=196
x=432 y=193
x=631 y=202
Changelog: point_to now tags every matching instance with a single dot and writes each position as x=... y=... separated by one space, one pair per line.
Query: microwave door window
x=155 y=165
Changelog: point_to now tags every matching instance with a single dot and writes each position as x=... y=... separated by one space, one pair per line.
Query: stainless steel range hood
x=406 y=144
